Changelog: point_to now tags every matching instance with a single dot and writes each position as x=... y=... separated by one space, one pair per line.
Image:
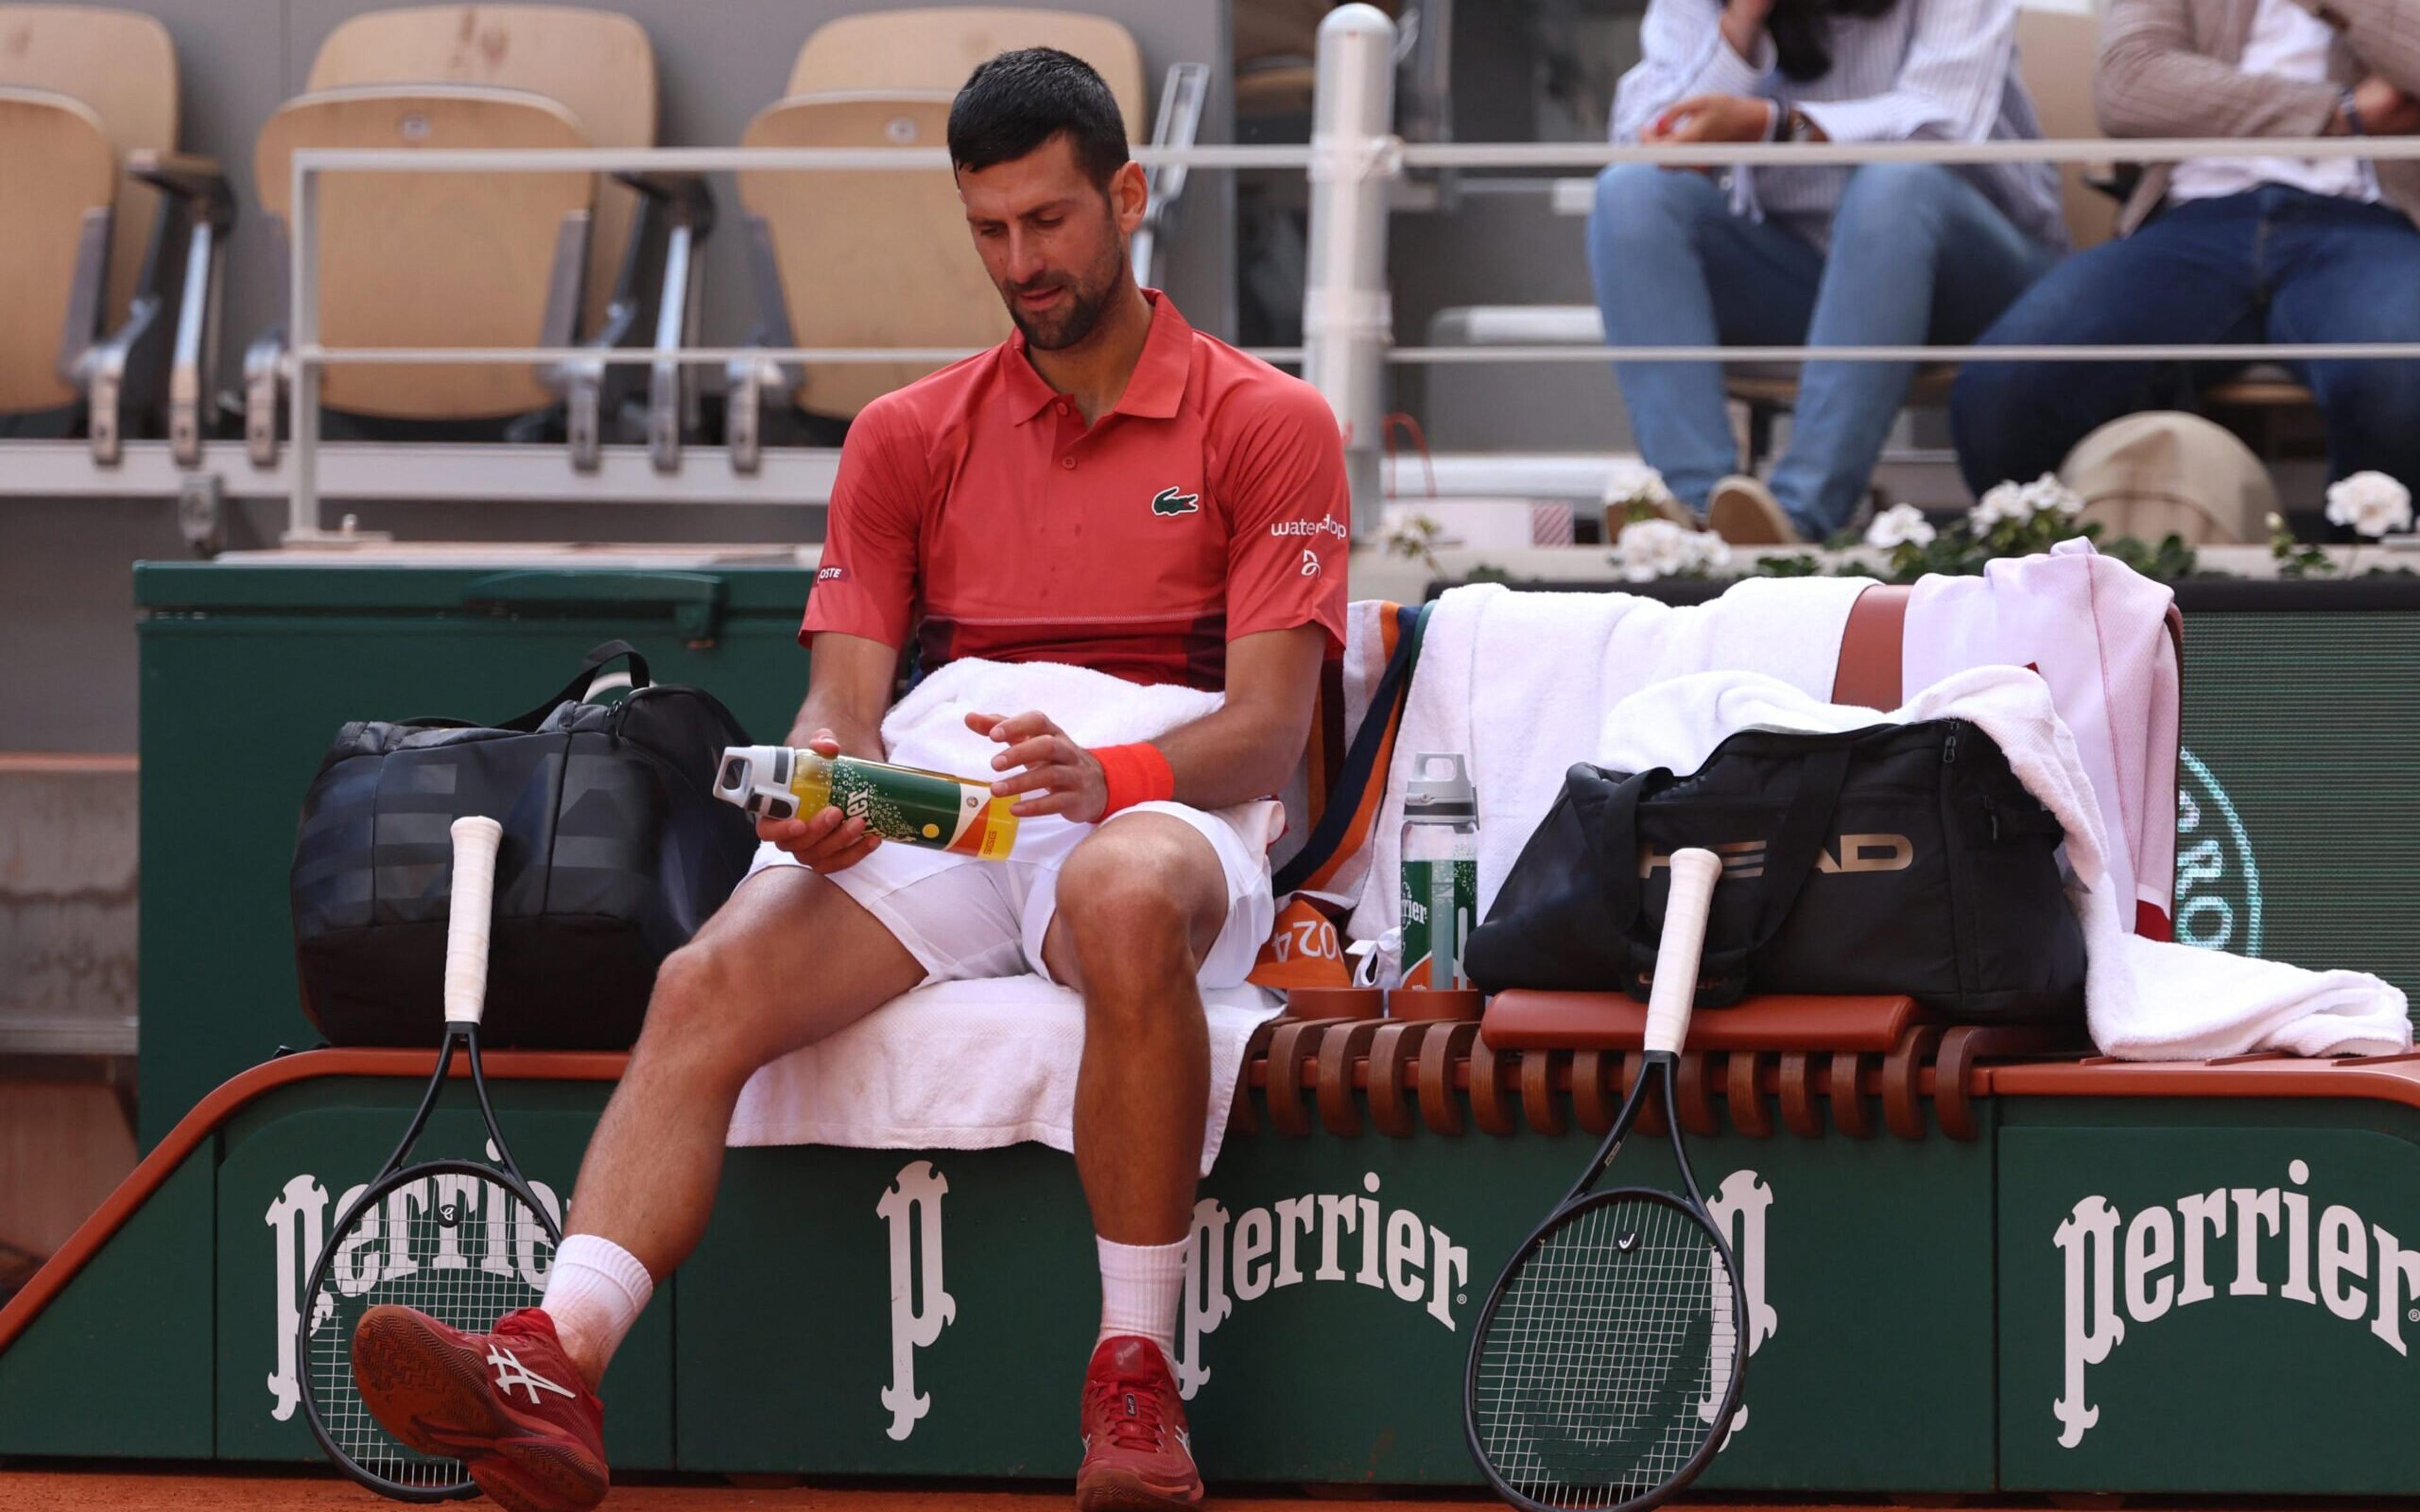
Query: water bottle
x=1440 y=851
x=905 y=804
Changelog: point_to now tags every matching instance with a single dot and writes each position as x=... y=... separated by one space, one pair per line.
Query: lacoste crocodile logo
x=1170 y=502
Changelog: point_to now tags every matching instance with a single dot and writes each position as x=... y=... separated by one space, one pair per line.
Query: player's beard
x=1087 y=297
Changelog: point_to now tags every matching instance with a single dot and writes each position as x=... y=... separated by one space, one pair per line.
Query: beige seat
x=134 y=350
x=63 y=176
x=121 y=66
x=436 y=259
x=546 y=260
x=597 y=65
x=937 y=47
x=882 y=259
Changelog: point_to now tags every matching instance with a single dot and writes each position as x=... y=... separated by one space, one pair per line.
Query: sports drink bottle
x=905 y=804
x=1440 y=852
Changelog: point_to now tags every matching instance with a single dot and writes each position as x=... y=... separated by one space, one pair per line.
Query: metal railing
x=1347 y=321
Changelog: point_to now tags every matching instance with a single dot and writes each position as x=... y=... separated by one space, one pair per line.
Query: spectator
x=2231 y=248
x=1888 y=253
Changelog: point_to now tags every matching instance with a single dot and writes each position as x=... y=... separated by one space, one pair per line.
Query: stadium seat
x=107 y=225
x=852 y=258
x=482 y=260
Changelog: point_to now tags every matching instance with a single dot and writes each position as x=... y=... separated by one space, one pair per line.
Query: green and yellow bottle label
x=920 y=808
x=1440 y=909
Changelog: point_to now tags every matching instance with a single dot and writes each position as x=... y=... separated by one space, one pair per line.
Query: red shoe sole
x=1110 y=1489
x=432 y=1394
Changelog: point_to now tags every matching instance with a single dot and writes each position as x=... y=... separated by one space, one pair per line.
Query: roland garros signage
x=2279 y=1245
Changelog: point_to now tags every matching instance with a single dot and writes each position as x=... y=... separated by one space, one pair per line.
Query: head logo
x=915 y=1278
x=1855 y=853
x=1175 y=501
x=2218 y=881
x=2323 y=1264
x=420 y=1221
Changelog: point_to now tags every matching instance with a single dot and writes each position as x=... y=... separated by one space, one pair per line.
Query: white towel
x=971 y=1065
x=2097 y=632
x=1521 y=682
x=964 y=1065
x=928 y=727
x=2144 y=999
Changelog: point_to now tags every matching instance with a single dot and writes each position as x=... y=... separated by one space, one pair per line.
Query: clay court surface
x=73 y=1490
x=46 y=1491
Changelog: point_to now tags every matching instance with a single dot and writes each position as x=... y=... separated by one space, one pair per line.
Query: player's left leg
x=1149 y=909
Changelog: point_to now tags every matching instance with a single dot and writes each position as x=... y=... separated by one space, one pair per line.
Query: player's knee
x=700 y=1008
x=1128 y=892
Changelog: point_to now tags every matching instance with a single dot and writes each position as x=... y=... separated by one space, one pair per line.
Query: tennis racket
x=463 y=1240
x=1607 y=1362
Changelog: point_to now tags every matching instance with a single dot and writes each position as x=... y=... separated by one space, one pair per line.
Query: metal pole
x=1347 y=316
x=303 y=321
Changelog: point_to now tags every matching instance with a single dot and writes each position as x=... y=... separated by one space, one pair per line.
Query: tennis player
x=1107 y=488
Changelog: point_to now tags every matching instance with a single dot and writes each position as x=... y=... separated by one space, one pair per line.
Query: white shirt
x=1942 y=70
x=2288 y=42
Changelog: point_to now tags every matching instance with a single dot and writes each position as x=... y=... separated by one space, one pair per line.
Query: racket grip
x=1668 y=1000
x=475 y=842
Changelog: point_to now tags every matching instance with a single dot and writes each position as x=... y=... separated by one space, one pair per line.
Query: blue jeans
x=1918 y=255
x=2270 y=264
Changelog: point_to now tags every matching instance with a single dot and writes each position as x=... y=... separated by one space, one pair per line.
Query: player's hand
x=1714 y=118
x=1069 y=780
x=2386 y=110
x=827 y=840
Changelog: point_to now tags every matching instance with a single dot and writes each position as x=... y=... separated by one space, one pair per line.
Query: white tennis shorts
x=966 y=920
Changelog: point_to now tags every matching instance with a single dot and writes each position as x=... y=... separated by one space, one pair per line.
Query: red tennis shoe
x=509 y=1404
x=1138 y=1456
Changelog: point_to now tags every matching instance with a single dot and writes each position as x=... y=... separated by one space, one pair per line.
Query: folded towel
x=971 y=1065
x=1520 y=683
x=2144 y=999
x=964 y=1065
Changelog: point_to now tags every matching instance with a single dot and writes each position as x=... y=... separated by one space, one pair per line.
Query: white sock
x=1141 y=1285
x=594 y=1294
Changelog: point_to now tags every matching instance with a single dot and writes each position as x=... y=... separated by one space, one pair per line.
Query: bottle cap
x=1439 y=787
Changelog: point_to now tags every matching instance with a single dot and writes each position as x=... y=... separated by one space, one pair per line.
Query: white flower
x=2370 y=502
x=1632 y=482
x=1651 y=548
x=2003 y=500
x=1900 y=525
x=2019 y=502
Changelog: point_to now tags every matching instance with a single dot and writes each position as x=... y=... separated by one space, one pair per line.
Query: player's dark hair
x=1012 y=103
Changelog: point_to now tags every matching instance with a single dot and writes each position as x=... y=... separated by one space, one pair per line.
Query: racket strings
x=456 y=1246
x=1607 y=1365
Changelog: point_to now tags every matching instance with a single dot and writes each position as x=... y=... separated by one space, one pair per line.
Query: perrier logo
x=1171 y=501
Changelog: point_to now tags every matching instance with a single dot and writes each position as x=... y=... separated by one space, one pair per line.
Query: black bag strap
x=1790 y=859
x=578 y=687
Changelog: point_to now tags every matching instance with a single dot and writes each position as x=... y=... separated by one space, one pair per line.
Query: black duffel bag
x=1898 y=859
x=615 y=852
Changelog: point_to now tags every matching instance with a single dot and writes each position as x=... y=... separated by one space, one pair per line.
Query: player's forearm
x=1235 y=755
x=856 y=735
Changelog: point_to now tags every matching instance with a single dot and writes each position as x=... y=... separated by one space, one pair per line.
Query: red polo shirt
x=976 y=507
